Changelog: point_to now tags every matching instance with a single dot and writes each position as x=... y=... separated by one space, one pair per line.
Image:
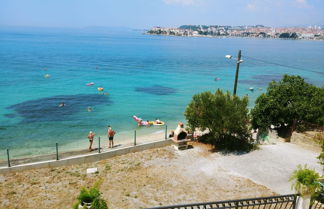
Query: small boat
x=47 y=75
x=216 y=79
x=251 y=89
x=100 y=89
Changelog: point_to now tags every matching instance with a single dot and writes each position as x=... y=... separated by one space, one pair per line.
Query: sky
x=144 y=14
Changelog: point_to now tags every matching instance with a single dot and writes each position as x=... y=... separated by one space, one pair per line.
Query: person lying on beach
x=90 y=137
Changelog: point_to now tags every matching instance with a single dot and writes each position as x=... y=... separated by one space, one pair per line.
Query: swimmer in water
x=62 y=104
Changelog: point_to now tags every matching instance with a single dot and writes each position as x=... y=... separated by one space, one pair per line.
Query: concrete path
x=270 y=166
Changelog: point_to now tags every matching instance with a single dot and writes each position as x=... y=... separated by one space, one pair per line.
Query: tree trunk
x=292 y=127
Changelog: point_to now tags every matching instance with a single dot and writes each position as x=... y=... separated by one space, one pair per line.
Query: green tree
x=290 y=103
x=225 y=116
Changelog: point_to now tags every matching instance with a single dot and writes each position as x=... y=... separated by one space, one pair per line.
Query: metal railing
x=58 y=155
x=274 y=202
x=317 y=205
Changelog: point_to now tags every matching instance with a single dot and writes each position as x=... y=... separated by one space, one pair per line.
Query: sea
x=148 y=76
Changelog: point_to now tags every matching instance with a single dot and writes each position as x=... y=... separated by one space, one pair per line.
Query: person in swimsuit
x=157 y=121
x=90 y=137
x=62 y=104
x=111 y=133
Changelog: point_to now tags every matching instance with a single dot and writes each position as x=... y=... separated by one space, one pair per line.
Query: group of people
x=110 y=134
x=149 y=123
x=179 y=133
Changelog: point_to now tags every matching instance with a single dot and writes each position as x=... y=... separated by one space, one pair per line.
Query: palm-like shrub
x=90 y=196
x=305 y=181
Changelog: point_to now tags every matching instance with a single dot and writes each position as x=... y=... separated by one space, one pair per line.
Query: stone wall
x=307 y=140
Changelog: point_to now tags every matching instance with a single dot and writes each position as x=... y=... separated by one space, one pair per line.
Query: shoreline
x=234 y=37
x=155 y=136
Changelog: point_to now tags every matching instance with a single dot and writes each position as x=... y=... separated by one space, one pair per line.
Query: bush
x=88 y=196
x=224 y=116
x=92 y=196
x=305 y=181
x=99 y=204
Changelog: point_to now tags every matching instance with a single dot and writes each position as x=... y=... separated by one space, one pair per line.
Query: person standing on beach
x=90 y=137
x=111 y=133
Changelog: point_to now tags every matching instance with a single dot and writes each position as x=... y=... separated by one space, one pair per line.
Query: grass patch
x=12 y=193
x=107 y=167
x=75 y=174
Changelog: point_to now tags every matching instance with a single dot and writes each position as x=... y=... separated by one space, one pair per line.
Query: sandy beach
x=161 y=176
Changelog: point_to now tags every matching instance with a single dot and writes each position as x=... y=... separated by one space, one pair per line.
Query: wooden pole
x=8 y=158
x=237 y=71
x=99 y=145
x=57 y=157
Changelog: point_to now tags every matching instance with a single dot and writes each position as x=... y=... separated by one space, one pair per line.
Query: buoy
x=100 y=89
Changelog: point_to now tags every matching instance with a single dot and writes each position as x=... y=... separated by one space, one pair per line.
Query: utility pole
x=237 y=71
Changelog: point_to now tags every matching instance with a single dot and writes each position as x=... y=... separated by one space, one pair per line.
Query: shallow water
x=148 y=76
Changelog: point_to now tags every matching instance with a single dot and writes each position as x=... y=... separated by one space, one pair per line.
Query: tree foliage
x=225 y=116
x=290 y=103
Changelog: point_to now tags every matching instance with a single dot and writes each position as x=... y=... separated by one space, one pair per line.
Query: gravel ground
x=149 y=178
x=162 y=176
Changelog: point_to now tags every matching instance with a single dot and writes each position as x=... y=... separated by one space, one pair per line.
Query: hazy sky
x=148 y=13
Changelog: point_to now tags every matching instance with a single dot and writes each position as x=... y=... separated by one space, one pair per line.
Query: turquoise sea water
x=148 y=76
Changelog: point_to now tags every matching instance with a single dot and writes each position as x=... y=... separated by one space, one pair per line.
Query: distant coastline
x=257 y=31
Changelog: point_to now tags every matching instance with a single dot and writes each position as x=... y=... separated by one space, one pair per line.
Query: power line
x=278 y=64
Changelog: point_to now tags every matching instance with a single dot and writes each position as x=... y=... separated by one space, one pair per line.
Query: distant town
x=257 y=31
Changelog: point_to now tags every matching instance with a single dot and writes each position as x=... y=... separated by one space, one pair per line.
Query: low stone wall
x=86 y=158
x=306 y=140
